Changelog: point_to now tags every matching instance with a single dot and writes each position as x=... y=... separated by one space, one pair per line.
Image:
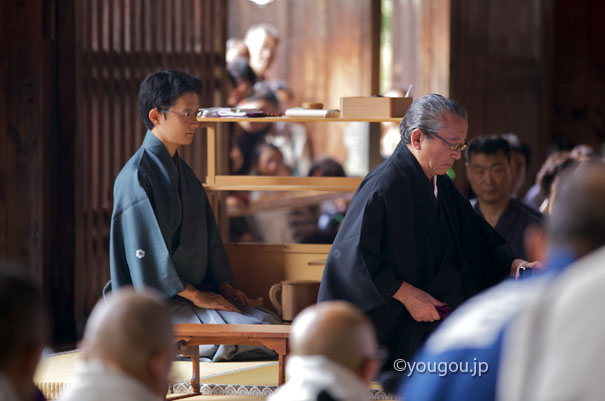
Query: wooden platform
x=191 y=336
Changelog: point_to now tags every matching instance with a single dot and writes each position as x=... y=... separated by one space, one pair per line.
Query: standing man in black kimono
x=411 y=247
x=163 y=233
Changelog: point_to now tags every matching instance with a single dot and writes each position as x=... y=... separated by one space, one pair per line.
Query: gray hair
x=426 y=113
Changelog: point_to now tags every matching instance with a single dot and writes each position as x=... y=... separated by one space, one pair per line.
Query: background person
x=236 y=48
x=262 y=41
x=242 y=79
x=520 y=161
x=489 y=172
x=290 y=138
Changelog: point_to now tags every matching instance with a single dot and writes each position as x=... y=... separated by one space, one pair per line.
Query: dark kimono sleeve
x=219 y=269
x=355 y=272
x=497 y=253
x=496 y=256
x=138 y=253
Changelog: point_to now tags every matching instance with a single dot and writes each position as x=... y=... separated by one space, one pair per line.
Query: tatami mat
x=249 y=381
x=55 y=372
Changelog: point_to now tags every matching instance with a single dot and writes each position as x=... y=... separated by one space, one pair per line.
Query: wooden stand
x=191 y=336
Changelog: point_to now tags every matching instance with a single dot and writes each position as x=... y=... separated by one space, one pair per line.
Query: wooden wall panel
x=327 y=50
x=406 y=30
x=4 y=151
x=499 y=64
x=23 y=141
x=421 y=46
x=578 y=104
x=36 y=166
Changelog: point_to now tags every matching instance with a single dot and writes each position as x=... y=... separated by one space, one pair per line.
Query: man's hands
x=233 y=294
x=420 y=304
x=517 y=263
x=207 y=299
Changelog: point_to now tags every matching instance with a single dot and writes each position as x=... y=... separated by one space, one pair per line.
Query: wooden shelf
x=274 y=200
x=296 y=119
x=259 y=266
x=252 y=183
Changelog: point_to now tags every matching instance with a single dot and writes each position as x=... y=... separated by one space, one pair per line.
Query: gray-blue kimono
x=163 y=235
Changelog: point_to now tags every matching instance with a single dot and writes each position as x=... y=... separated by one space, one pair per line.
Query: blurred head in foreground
x=133 y=331
x=23 y=331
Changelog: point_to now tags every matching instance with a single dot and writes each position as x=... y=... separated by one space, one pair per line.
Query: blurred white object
x=319 y=113
x=229 y=112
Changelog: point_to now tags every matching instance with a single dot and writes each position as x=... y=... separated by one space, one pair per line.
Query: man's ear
x=159 y=368
x=369 y=369
x=415 y=138
x=154 y=116
x=512 y=167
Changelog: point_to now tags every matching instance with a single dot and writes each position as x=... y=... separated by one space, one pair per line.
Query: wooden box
x=374 y=107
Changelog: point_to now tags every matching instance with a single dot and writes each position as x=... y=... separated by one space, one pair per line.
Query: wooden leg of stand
x=194 y=353
x=282 y=370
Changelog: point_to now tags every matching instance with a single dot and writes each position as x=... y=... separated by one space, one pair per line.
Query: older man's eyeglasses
x=453 y=146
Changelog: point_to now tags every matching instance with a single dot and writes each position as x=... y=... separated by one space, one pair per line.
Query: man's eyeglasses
x=453 y=147
x=188 y=115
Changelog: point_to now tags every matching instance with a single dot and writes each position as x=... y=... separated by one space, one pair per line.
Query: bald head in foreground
x=127 y=349
x=333 y=354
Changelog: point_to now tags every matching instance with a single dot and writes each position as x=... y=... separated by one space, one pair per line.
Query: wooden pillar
x=23 y=98
x=36 y=163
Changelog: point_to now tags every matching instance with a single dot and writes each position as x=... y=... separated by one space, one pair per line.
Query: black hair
x=488 y=145
x=328 y=167
x=518 y=146
x=275 y=85
x=239 y=70
x=161 y=89
x=578 y=215
x=260 y=148
x=264 y=93
x=553 y=165
x=426 y=113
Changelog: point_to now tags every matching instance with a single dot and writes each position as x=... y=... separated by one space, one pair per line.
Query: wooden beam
x=251 y=183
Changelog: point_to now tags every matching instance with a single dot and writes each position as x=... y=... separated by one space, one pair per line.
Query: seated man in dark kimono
x=489 y=172
x=411 y=247
x=163 y=233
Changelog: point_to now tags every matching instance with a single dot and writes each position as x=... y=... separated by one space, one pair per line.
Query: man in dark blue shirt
x=488 y=168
